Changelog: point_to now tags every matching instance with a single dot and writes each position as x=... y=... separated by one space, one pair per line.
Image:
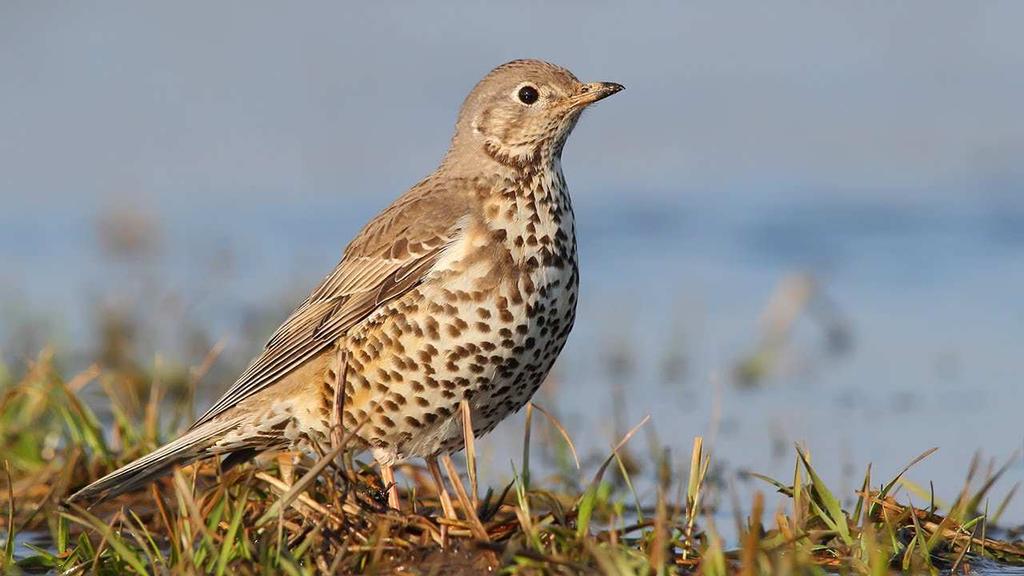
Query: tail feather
x=192 y=446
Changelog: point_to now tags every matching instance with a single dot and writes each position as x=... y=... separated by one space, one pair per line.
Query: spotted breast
x=486 y=326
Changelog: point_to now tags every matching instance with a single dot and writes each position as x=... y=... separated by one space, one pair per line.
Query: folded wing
x=394 y=252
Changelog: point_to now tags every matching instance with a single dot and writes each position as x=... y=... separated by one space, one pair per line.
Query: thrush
x=464 y=288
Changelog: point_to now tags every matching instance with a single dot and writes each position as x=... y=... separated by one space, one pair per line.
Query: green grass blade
x=124 y=552
x=229 y=546
x=8 y=559
x=865 y=487
x=779 y=486
x=833 y=513
x=888 y=487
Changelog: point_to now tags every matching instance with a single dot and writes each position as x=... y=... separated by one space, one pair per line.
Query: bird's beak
x=594 y=91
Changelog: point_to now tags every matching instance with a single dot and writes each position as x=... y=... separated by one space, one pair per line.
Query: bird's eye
x=528 y=95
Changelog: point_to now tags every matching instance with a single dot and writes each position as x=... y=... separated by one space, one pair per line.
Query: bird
x=463 y=290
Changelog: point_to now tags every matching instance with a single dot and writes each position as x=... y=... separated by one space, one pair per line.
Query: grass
x=334 y=518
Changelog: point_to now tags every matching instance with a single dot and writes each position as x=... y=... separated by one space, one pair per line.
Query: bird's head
x=522 y=112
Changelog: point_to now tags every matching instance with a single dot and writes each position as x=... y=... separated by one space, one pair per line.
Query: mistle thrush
x=464 y=288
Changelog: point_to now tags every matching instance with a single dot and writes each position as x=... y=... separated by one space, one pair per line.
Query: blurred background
x=802 y=222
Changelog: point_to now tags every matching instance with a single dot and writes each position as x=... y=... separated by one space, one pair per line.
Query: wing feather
x=393 y=254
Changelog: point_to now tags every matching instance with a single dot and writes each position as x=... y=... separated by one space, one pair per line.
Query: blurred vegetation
x=796 y=296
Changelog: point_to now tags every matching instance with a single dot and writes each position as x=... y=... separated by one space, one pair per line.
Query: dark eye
x=528 y=95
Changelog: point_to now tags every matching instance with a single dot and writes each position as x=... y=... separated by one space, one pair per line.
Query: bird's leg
x=442 y=492
x=286 y=466
x=387 y=474
x=338 y=404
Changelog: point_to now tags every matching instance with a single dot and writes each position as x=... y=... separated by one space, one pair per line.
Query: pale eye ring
x=528 y=94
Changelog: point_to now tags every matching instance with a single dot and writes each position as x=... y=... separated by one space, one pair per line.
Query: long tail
x=192 y=446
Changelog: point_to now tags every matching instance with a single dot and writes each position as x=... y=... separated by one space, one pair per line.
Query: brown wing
x=392 y=254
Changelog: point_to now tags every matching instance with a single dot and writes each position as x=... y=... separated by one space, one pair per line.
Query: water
x=673 y=286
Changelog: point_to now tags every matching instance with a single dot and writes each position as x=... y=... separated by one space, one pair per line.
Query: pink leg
x=387 y=473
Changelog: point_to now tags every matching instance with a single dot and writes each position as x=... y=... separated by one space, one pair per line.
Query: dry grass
x=334 y=519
